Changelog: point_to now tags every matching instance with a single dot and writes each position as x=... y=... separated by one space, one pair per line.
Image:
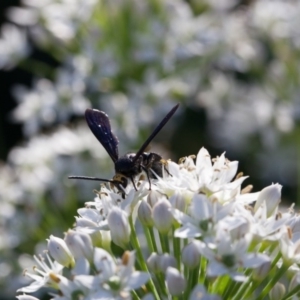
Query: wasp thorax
x=126 y=165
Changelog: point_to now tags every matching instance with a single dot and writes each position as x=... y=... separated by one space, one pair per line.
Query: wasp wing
x=156 y=131
x=99 y=124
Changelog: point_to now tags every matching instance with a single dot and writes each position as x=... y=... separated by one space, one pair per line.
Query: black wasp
x=132 y=164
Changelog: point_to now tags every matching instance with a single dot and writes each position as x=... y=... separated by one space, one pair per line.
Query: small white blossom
x=191 y=254
x=272 y=197
x=45 y=277
x=165 y=261
x=119 y=227
x=80 y=244
x=175 y=281
x=162 y=216
x=226 y=256
x=115 y=280
x=60 y=252
x=145 y=213
x=277 y=292
x=26 y=297
x=199 y=293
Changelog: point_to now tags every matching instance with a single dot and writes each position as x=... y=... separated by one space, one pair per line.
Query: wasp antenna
x=91 y=178
x=156 y=131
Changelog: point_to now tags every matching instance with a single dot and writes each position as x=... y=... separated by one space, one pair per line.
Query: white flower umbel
x=204 y=237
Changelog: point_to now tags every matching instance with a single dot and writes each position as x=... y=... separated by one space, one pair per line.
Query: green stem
x=192 y=280
x=264 y=282
x=134 y=295
x=161 y=283
x=136 y=245
x=298 y=165
x=276 y=259
x=176 y=249
x=164 y=242
x=229 y=289
x=221 y=284
x=273 y=281
x=151 y=232
x=202 y=276
x=243 y=288
x=293 y=292
x=195 y=275
x=149 y=239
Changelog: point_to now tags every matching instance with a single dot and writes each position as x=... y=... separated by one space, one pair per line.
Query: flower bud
x=103 y=262
x=262 y=271
x=277 y=292
x=60 y=252
x=80 y=244
x=175 y=282
x=162 y=216
x=294 y=282
x=153 y=197
x=148 y=297
x=191 y=255
x=153 y=262
x=26 y=297
x=119 y=227
x=166 y=260
x=199 y=293
x=272 y=196
x=145 y=213
x=178 y=201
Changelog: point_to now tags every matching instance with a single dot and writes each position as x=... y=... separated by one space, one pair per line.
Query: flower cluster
x=196 y=234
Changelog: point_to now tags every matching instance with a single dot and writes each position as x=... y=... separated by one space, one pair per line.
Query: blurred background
x=232 y=64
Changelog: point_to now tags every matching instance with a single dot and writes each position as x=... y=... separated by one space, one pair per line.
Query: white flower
x=175 y=281
x=119 y=227
x=26 y=297
x=268 y=228
x=212 y=177
x=115 y=280
x=271 y=195
x=191 y=255
x=145 y=213
x=60 y=252
x=199 y=293
x=290 y=246
x=165 y=261
x=277 y=292
x=13 y=45
x=80 y=244
x=226 y=256
x=202 y=218
x=162 y=216
x=46 y=275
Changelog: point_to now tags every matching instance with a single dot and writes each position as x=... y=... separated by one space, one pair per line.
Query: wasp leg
x=146 y=170
x=132 y=180
x=164 y=163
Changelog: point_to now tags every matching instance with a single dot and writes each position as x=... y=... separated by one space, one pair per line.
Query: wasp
x=130 y=165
